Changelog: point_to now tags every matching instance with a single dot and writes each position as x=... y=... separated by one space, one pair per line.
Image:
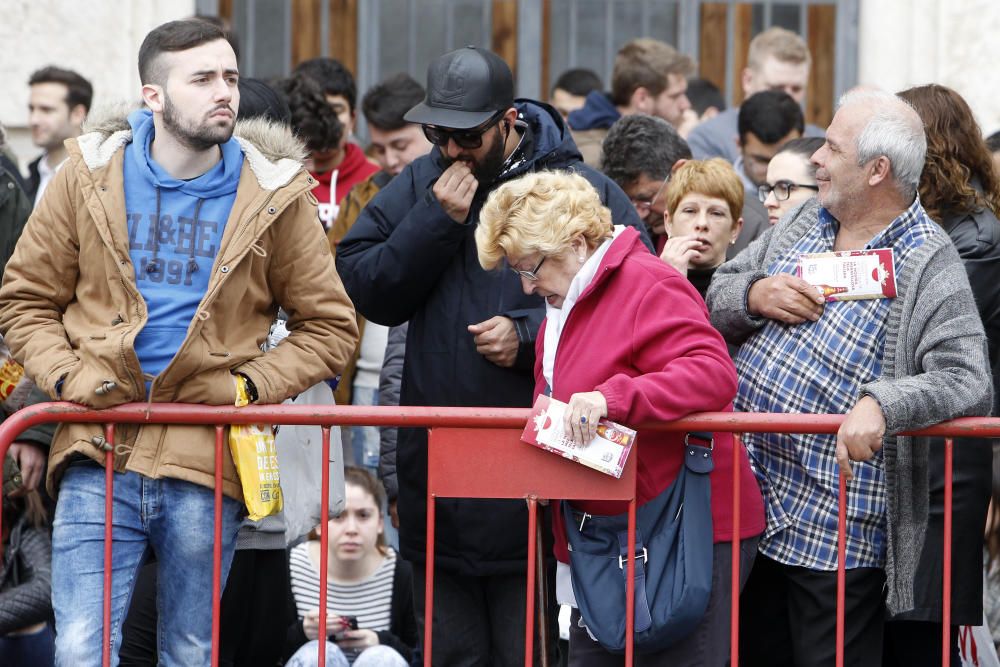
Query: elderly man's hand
x=30 y=459
x=860 y=436
x=496 y=339
x=785 y=298
x=455 y=189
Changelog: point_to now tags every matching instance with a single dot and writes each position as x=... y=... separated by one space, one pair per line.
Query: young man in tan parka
x=152 y=271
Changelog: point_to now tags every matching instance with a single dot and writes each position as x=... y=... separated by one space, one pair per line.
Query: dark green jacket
x=15 y=207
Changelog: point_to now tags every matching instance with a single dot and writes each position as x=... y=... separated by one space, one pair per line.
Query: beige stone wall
x=98 y=38
x=956 y=43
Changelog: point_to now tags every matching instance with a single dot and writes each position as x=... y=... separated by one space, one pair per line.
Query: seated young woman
x=370 y=616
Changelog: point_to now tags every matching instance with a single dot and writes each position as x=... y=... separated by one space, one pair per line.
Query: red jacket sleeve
x=682 y=361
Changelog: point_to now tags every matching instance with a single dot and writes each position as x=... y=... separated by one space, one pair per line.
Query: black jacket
x=25 y=577
x=402 y=633
x=389 y=380
x=34 y=178
x=405 y=259
x=15 y=207
x=977 y=238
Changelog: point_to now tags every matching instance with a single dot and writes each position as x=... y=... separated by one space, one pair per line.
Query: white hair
x=893 y=130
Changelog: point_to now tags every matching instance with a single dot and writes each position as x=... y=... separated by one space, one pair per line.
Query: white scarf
x=556 y=317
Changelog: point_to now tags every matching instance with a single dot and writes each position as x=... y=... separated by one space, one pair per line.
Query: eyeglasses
x=644 y=206
x=782 y=190
x=530 y=275
x=471 y=138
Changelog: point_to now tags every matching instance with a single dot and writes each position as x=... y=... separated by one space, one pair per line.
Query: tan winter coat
x=70 y=307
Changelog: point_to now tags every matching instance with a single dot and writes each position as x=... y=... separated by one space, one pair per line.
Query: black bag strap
x=698 y=449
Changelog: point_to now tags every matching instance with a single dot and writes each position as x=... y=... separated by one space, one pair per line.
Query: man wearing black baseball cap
x=411 y=255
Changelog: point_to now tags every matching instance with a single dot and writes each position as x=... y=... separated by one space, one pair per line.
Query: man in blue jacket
x=411 y=255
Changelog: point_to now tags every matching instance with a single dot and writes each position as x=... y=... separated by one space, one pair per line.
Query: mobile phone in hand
x=346 y=623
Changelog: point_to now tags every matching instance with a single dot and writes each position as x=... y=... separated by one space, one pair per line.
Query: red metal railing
x=531 y=482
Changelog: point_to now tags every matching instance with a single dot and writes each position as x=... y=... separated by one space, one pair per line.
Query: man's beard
x=196 y=138
x=488 y=169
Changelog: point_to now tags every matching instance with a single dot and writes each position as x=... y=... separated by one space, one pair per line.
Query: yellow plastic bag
x=256 y=459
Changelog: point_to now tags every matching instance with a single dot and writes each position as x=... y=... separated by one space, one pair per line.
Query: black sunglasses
x=471 y=138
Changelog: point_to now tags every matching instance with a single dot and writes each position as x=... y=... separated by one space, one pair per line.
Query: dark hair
x=331 y=75
x=703 y=94
x=993 y=520
x=171 y=37
x=29 y=505
x=578 y=81
x=770 y=115
x=313 y=120
x=260 y=100
x=366 y=481
x=226 y=27
x=993 y=141
x=956 y=155
x=804 y=147
x=639 y=144
x=385 y=103
x=78 y=89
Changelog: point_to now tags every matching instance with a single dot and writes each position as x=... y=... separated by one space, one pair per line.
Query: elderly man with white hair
x=891 y=364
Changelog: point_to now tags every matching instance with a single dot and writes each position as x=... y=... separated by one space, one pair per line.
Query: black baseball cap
x=465 y=88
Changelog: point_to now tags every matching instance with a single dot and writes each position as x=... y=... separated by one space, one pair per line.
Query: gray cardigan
x=935 y=367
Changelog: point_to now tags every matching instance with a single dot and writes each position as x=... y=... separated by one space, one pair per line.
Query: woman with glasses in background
x=791 y=178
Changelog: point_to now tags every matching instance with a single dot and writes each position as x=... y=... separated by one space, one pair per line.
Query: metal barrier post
x=841 y=564
x=529 y=616
x=109 y=493
x=946 y=551
x=630 y=583
x=429 y=576
x=324 y=543
x=220 y=432
x=734 y=588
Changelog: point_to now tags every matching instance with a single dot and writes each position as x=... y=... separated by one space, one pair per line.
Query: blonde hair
x=780 y=44
x=540 y=212
x=711 y=178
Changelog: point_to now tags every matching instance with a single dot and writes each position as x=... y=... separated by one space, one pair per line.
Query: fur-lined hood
x=273 y=152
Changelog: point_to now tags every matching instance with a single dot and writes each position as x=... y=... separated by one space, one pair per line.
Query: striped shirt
x=820 y=368
x=369 y=600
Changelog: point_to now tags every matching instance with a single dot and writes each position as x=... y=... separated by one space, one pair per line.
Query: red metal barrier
x=526 y=482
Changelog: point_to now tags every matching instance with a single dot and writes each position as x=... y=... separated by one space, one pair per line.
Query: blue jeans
x=364 y=440
x=374 y=656
x=171 y=518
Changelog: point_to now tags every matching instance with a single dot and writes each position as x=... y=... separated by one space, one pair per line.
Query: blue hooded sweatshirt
x=597 y=112
x=174 y=228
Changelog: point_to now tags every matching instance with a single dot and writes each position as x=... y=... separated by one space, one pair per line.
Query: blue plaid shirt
x=819 y=368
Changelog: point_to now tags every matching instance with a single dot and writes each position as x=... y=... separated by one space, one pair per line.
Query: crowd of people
x=632 y=249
